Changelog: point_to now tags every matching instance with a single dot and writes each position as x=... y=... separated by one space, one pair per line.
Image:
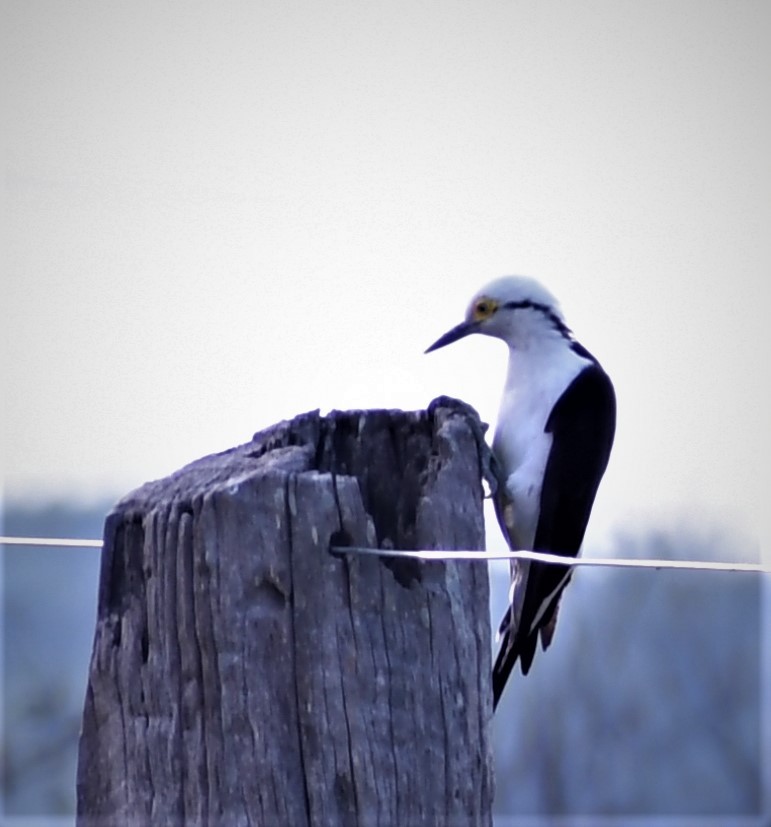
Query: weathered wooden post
x=243 y=674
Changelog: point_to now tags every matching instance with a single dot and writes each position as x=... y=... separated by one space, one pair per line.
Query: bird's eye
x=483 y=309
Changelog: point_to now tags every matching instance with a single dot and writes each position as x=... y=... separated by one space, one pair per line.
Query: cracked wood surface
x=242 y=674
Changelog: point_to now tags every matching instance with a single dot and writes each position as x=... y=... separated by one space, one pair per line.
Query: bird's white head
x=517 y=309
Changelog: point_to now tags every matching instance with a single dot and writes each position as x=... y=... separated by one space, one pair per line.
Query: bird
x=552 y=442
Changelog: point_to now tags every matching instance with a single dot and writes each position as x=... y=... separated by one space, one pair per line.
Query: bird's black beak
x=458 y=332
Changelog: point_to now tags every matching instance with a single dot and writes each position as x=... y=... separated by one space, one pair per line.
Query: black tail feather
x=522 y=648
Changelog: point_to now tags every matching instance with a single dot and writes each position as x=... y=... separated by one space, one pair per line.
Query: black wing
x=582 y=424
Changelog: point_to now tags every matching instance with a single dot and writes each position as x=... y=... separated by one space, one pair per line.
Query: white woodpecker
x=555 y=430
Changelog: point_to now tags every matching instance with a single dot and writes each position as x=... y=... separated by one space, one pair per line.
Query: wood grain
x=243 y=674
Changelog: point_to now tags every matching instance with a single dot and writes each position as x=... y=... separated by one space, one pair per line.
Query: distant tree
x=47 y=605
x=648 y=702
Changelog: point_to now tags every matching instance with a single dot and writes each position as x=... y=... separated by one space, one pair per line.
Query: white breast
x=536 y=379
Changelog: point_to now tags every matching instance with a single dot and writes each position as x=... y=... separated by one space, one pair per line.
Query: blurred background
x=218 y=216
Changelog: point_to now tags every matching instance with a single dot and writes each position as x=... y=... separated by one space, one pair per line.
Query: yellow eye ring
x=483 y=309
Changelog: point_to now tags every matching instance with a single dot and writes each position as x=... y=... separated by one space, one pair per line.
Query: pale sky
x=219 y=215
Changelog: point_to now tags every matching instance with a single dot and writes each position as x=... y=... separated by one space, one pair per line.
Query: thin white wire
x=427 y=554
x=556 y=559
x=49 y=541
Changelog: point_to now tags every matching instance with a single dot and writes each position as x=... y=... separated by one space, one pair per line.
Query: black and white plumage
x=552 y=442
